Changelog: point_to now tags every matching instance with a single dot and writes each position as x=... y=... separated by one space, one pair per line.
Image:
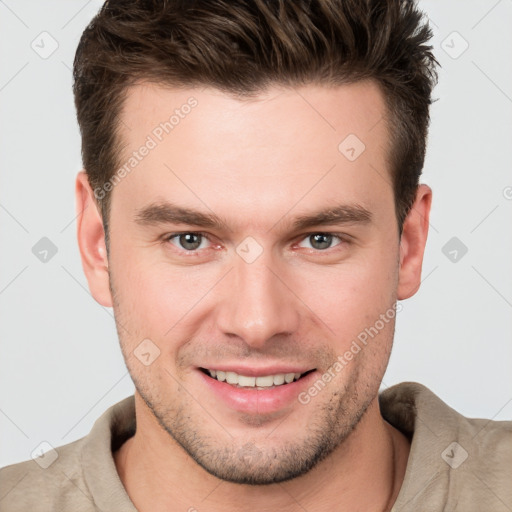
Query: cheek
x=350 y=297
x=357 y=287
x=163 y=301
x=156 y=298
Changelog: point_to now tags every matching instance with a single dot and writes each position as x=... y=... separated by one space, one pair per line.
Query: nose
x=259 y=303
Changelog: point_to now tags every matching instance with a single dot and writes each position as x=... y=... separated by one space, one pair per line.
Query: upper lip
x=253 y=371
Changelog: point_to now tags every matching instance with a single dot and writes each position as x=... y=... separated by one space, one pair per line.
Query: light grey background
x=60 y=363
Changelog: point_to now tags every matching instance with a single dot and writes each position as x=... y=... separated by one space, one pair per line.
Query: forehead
x=208 y=148
x=330 y=110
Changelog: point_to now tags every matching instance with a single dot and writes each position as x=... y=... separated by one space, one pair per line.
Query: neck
x=158 y=475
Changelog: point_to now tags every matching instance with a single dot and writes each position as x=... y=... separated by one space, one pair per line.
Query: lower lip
x=258 y=401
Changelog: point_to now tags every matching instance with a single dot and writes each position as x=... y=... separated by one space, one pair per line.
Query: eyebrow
x=168 y=213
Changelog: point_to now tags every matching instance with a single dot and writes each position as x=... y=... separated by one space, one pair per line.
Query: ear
x=91 y=241
x=412 y=243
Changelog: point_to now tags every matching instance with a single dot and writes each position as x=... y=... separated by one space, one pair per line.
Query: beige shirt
x=455 y=464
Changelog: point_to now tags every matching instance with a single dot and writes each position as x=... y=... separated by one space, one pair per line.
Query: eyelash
x=342 y=238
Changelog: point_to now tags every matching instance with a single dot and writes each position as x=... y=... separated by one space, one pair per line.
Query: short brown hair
x=243 y=46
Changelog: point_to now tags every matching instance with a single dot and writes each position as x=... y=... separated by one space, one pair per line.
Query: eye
x=190 y=241
x=320 y=241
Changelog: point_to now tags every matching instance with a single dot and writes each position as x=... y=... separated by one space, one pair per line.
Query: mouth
x=260 y=382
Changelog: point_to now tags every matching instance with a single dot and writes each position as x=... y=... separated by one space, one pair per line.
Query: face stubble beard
x=252 y=463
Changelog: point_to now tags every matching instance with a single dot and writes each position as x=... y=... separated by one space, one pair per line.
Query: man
x=251 y=209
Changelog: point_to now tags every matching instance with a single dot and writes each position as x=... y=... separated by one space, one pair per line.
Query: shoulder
x=415 y=407
x=79 y=476
x=455 y=461
x=51 y=482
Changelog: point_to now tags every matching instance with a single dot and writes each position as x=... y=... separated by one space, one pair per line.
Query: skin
x=258 y=165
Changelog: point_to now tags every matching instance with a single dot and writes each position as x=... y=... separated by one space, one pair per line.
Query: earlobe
x=412 y=243
x=91 y=241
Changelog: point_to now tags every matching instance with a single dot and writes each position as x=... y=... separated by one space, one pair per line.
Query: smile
x=259 y=382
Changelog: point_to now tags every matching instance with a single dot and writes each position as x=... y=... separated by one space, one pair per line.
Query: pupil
x=190 y=241
x=320 y=240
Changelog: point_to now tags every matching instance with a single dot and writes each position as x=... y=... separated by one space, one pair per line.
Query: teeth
x=231 y=378
x=279 y=379
x=264 y=381
x=244 y=381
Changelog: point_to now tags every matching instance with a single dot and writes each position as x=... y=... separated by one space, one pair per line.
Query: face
x=248 y=244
